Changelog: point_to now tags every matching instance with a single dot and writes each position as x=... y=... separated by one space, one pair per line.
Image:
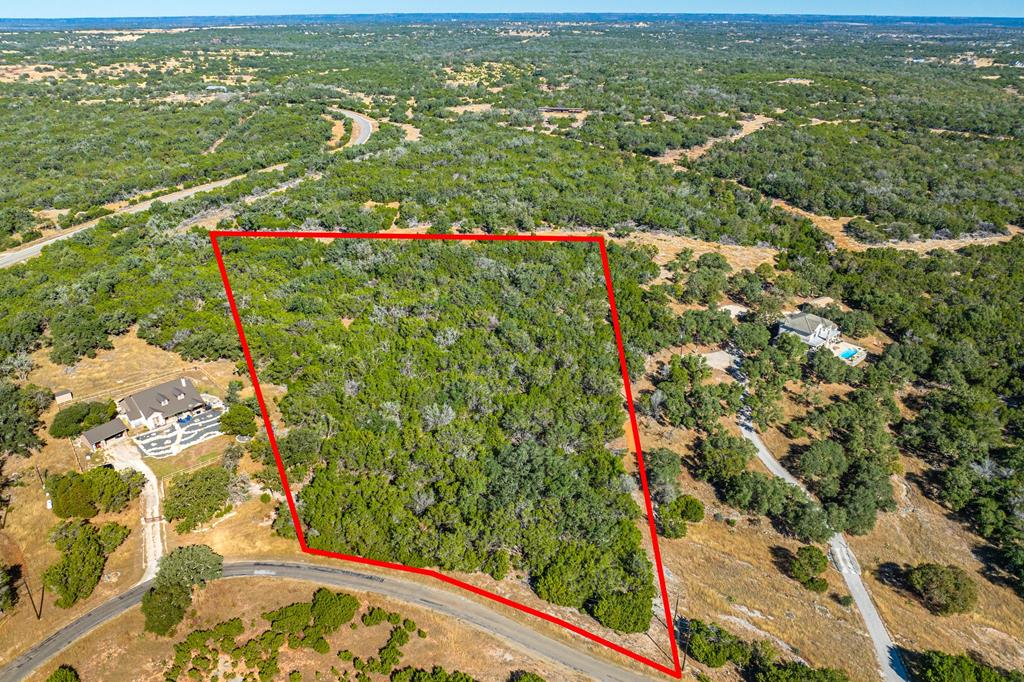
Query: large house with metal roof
x=156 y=405
x=811 y=329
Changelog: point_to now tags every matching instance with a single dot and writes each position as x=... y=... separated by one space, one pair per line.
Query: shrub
x=71 y=421
x=331 y=610
x=64 y=673
x=239 y=420
x=672 y=517
x=99 y=489
x=196 y=497
x=805 y=567
x=714 y=646
x=625 y=611
x=164 y=607
x=943 y=589
x=935 y=666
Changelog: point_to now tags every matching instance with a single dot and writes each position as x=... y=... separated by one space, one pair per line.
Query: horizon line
x=260 y=15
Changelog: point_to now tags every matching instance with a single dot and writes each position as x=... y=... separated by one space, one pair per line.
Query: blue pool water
x=848 y=353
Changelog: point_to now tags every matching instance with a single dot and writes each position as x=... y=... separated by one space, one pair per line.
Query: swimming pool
x=848 y=353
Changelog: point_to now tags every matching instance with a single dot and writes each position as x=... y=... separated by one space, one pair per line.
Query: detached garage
x=98 y=436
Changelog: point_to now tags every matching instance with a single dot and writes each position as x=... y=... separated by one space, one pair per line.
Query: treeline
x=303 y=627
x=714 y=646
x=651 y=137
x=905 y=183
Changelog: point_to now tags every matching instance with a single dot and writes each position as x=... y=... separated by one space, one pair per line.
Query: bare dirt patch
x=748 y=126
x=578 y=118
x=411 y=132
x=836 y=228
x=337 y=131
x=30 y=73
x=475 y=108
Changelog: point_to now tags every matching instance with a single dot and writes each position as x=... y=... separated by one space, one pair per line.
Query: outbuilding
x=98 y=436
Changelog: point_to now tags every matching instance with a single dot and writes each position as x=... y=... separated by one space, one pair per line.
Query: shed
x=63 y=396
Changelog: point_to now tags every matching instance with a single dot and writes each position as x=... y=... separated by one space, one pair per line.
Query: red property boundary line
x=676 y=670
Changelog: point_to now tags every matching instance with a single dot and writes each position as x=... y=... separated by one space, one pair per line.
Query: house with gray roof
x=811 y=329
x=98 y=436
x=156 y=405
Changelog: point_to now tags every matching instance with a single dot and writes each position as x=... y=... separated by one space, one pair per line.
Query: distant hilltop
x=198 y=22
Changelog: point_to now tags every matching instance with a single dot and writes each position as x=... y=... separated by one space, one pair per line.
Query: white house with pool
x=155 y=406
x=813 y=330
x=818 y=332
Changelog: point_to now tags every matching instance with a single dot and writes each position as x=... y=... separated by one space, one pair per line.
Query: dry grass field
x=24 y=541
x=727 y=570
x=921 y=531
x=120 y=650
x=131 y=365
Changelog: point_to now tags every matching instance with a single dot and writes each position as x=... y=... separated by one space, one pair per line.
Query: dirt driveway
x=123 y=454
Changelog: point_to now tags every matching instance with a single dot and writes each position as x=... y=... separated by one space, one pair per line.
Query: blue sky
x=134 y=8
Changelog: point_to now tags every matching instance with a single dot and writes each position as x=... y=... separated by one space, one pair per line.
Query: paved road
x=467 y=611
x=890 y=664
x=363 y=130
x=363 y=127
x=20 y=255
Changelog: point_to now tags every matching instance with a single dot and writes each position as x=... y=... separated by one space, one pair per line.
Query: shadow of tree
x=782 y=559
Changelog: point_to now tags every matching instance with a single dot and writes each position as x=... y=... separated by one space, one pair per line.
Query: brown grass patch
x=26 y=543
x=30 y=73
x=121 y=650
x=131 y=365
x=475 y=108
x=922 y=531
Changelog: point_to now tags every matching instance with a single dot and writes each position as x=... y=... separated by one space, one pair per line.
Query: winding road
x=363 y=127
x=465 y=610
x=889 y=662
x=362 y=130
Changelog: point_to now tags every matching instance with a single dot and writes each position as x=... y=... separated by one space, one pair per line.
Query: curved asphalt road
x=361 y=134
x=363 y=127
x=441 y=601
